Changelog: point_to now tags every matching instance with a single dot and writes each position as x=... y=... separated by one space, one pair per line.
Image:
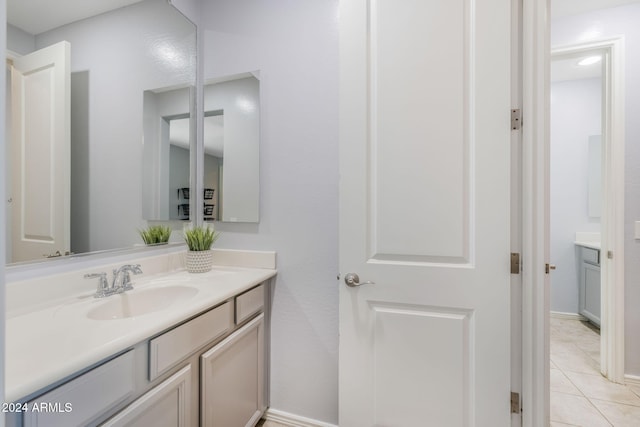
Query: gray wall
x=79 y=217
x=294 y=44
x=575 y=115
x=20 y=41
x=601 y=24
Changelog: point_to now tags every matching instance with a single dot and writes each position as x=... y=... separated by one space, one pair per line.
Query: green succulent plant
x=155 y=234
x=200 y=238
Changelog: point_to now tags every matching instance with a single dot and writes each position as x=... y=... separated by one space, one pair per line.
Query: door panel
x=408 y=93
x=40 y=144
x=438 y=341
x=424 y=212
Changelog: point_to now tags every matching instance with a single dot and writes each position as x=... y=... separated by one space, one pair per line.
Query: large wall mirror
x=78 y=86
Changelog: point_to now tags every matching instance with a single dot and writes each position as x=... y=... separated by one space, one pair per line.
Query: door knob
x=352 y=279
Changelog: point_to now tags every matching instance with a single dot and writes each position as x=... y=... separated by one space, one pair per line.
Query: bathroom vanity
x=589 y=281
x=179 y=350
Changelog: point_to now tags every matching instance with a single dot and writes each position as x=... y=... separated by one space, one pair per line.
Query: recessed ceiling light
x=590 y=60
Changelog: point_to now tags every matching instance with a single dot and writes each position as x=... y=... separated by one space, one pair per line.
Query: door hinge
x=515 y=403
x=610 y=254
x=516 y=119
x=515 y=263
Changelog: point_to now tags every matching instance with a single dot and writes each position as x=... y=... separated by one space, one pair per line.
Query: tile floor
x=580 y=396
x=265 y=423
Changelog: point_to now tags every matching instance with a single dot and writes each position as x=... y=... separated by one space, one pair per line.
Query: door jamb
x=535 y=224
x=612 y=330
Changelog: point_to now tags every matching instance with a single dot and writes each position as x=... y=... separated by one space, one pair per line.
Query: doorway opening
x=586 y=215
x=577 y=106
x=599 y=189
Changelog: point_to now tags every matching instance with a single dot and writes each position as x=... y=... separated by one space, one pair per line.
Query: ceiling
x=563 y=69
x=560 y=8
x=567 y=68
x=52 y=14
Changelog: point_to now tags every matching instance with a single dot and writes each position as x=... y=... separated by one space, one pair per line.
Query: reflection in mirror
x=92 y=183
x=213 y=157
x=231 y=141
x=166 y=155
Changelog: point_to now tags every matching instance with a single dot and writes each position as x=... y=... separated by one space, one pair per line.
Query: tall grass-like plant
x=200 y=238
x=155 y=234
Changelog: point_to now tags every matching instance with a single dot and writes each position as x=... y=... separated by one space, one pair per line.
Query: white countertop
x=588 y=239
x=52 y=342
x=592 y=245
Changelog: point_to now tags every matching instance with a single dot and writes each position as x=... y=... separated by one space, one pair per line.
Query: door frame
x=612 y=221
x=535 y=247
x=535 y=217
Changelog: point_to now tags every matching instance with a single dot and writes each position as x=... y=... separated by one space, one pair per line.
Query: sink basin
x=138 y=303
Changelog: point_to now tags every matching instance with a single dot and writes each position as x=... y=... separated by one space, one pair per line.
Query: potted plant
x=155 y=234
x=199 y=240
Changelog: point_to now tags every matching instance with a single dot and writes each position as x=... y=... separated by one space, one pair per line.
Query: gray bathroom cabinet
x=206 y=371
x=589 y=285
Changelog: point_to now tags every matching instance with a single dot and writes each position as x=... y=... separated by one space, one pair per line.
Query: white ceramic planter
x=199 y=261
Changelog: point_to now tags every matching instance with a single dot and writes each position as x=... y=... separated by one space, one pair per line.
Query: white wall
x=601 y=24
x=575 y=115
x=294 y=44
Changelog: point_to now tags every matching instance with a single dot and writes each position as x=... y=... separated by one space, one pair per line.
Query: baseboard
x=568 y=316
x=292 y=420
x=632 y=380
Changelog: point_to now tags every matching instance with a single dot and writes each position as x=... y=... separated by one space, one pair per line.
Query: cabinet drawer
x=590 y=255
x=171 y=347
x=83 y=399
x=249 y=303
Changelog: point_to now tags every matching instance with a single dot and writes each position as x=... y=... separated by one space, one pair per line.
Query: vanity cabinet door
x=589 y=303
x=166 y=405
x=232 y=379
x=591 y=284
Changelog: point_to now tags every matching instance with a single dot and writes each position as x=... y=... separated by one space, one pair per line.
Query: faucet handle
x=103 y=284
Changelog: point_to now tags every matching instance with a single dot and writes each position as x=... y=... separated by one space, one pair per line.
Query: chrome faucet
x=122 y=277
x=120 y=282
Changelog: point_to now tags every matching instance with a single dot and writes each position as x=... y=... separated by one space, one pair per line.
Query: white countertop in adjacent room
x=588 y=239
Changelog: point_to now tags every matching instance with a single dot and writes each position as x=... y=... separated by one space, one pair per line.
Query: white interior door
x=424 y=212
x=40 y=144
